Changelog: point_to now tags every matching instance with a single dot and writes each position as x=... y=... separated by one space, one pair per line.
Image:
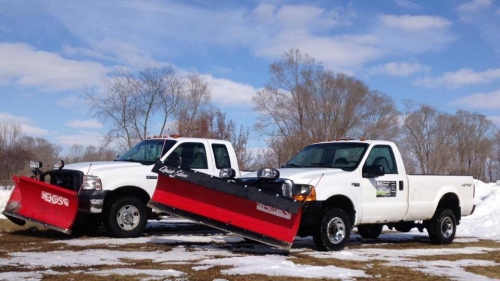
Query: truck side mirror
x=373 y=171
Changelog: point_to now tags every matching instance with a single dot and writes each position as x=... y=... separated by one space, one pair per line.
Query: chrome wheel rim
x=128 y=217
x=336 y=230
x=447 y=227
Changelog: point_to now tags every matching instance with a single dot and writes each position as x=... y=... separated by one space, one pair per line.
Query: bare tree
x=194 y=106
x=442 y=143
x=14 y=156
x=17 y=149
x=213 y=124
x=381 y=119
x=474 y=142
x=493 y=164
x=305 y=103
x=428 y=135
x=132 y=100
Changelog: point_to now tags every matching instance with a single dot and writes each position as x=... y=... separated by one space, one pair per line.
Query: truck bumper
x=91 y=201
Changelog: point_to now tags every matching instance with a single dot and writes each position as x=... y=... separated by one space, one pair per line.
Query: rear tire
x=370 y=230
x=126 y=217
x=442 y=227
x=332 y=231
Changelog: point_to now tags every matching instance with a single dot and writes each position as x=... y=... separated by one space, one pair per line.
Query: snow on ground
x=483 y=224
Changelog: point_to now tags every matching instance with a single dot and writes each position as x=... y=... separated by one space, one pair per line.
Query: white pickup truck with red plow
x=325 y=191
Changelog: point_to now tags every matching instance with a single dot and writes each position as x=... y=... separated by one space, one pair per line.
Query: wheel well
x=126 y=191
x=344 y=203
x=450 y=201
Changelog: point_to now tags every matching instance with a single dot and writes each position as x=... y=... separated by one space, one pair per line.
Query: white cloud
x=25 y=123
x=460 y=78
x=84 y=138
x=480 y=100
x=407 y=4
x=28 y=67
x=415 y=23
x=227 y=92
x=400 y=69
x=83 y=124
x=467 y=9
x=403 y=35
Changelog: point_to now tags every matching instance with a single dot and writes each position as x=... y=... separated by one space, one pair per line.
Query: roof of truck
x=180 y=138
x=359 y=141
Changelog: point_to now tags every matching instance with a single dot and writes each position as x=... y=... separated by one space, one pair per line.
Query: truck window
x=221 y=156
x=193 y=155
x=147 y=151
x=383 y=155
x=346 y=156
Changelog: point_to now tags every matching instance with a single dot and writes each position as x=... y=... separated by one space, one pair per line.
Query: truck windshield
x=346 y=156
x=147 y=151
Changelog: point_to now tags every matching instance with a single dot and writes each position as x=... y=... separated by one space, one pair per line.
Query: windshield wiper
x=292 y=165
x=128 y=160
x=320 y=164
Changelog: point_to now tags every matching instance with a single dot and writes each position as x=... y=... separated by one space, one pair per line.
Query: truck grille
x=67 y=179
x=281 y=187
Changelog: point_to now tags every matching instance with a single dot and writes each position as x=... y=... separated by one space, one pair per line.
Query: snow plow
x=41 y=203
x=266 y=214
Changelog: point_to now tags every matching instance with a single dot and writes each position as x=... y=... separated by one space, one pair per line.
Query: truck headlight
x=91 y=183
x=304 y=192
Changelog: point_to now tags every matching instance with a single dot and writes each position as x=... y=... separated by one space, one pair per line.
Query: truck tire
x=370 y=230
x=332 y=231
x=126 y=217
x=442 y=227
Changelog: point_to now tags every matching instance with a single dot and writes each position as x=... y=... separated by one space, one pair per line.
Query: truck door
x=384 y=198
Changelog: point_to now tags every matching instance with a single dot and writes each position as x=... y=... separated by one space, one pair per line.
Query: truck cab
x=116 y=193
x=364 y=184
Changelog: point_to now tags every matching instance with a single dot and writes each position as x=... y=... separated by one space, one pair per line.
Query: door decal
x=386 y=188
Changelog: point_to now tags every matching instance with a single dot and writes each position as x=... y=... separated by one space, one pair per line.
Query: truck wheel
x=126 y=217
x=370 y=230
x=442 y=227
x=332 y=231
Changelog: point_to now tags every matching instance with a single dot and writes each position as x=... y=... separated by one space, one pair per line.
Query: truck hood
x=306 y=175
x=95 y=168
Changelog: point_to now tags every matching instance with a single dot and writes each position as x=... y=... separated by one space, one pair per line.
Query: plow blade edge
x=41 y=203
x=227 y=205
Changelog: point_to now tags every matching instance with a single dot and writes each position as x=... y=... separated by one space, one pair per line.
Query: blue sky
x=443 y=53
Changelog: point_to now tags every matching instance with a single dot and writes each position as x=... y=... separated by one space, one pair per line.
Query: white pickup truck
x=116 y=193
x=363 y=184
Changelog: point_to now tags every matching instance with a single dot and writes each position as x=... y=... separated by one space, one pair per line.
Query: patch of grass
x=490 y=271
x=38 y=239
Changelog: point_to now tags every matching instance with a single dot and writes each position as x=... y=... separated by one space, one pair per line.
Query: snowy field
x=216 y=250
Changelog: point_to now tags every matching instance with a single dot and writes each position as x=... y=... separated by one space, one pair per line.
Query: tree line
x=302 y=103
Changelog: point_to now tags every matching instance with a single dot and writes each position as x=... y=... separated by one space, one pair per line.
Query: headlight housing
x=91 y=183
x=304 y=192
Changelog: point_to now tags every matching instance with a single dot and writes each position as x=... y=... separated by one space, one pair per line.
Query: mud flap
x=227 y=205
x=44 y=204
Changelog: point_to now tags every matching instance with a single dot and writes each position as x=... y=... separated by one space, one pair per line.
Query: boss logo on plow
x=273 y=211
x=54 y=199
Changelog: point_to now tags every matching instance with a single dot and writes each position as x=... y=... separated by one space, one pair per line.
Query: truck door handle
x=401 y=185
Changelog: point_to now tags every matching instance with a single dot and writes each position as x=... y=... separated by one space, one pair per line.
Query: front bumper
x=91 y=201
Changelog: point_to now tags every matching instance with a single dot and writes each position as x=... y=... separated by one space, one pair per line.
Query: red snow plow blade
x=225 y=204
x=41 y=203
